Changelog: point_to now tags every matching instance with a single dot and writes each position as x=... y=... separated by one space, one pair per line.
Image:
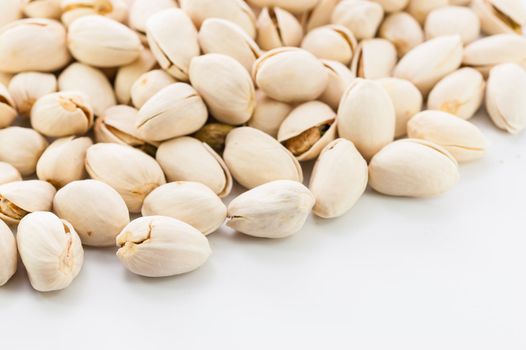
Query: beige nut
x=393 y=5
x=451 y=20
x=277 y=28
x=8 y=173
x=10 y=11
x=269 y=114
x=74 y=9
x=403 y=31
x=8 y=254
x=319 y=15
x=142 y=10
x=294 y=6
x=361 y=17
x=374 y=59
x=8 y=110
x=26 y=88
x=500 y=16
x=419 y=9
x=340 y=77
x=127 y=75
x=148 y=85
x=332 y=42
x=19 y=198
x=21 y=147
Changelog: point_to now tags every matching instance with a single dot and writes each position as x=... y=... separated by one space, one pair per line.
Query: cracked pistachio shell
x=74 y=9
x=21 y=147
x=10 y=11
x=214 y=135
x=294 y=6
x=308 y=129
x=277 y=28
x=332 y=42
x=173 y=40
x=26 y=88
x=148 y=85
x=96 y=210
x=277 y=209
x=366 y=116
x=403 y=31
x=269 y=114
x=190 y=202
x=34 y=44
x=51 y=251
x=224 y=37
x=127 y=75
x=290 y=75
x=19 y=198
x=459 y=137
x=254 y=158
x=63 y=161
x=393 y=5
x=174 y=111
x=340 y=77
x=8 y=173
x=62 y=114
x=159 y=246
x=451 y=20
x=142 y=10
x=361 y=17
x=188 y=159
x=225 y=86
x=42 y=8
x=319 y=15
x=407 y=101
x=8 y=110
x=506 y=97
x=8 y=254
x=413 y=168
x=500 y=16
x=129 y=171
x=338 y=180
x=429 y=62
x=419 y=9
x=91 y=82
x=102 y=42
x=459 y=93
x=374 y=59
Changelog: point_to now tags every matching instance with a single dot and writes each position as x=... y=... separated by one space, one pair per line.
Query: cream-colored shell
x=5 y=78
x=96 y=210
x=8 y=112
x=393 y=5
x=74 y=9
x=8 y=173
x=361 y=17
x=413 y=168
x=29 y=196
x=190 y=202
x=269 y=114
x=332 y=42
x=142 y=10
x=500 y=16
x=374 y=59
x=148 y=85
x=42 y=8
x=159 y=246
x=21 y=147
x=419 y=9
x=128 y=74
x=340 y=77
x=403 y=31
x=8 y=253
x=129 y=171
x=294 y=6
x=277 y=28
x=10 y=11
x=320 y=14
x=26 y=88
x=254 y=158
x=451 y=20
x=51 y=251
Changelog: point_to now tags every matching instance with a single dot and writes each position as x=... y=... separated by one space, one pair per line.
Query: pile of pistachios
x=154 y=109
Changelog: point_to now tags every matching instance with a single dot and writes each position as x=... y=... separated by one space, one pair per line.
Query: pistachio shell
x=451 y=20
x=26 y=88
x=5 y=78
x=268 y=114
x=320 y=14
x=361 y=17
x=403 y=31
x=500 y=16
x=148 y=85
x=8 y=254
x=393 y=5
x=19 y=198
x=374 y=59
x=74 y=9
x=332 y=42
x=142 y=10
x=10 y=11
x=340 y=77
x=419 y=9
x=294 y=6
x=8 y=173
x=277 y=28
x=128 y=74
x=8 y=112
x=214 y=135
x=21 y=147
x=42 y=8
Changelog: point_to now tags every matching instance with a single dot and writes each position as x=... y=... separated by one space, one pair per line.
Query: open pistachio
x=374 y=59
x=96 y=210
x=361 y=17
x=393 y=5
x=366 y=116
x=419 y=9
x=276 y=209
x=290 y=75
x=294 y=6
x=149 y=84
x=268 y=114
x=74 y=9
x=19 y=198
x=10 y=11
x=8 y=112
x=63 y=161
x=214 y=135
x=338 y=180
x=255 y=158
x=500 y=16
x=320 y=14
x=26 y=88
x=8 y=253
x=332 y=42
x=277 y=28
x=393 y=171
x=459 y=93
x=451 y=20
x=51 y=251
x=188 y=159
x=8 y=173
x=190 y=202
x=127 y=75
x=34 y=44
x=403 y=31
x=129 y=171
x=340 y=77
x=506 y=97
x=21 y=147
x=308 y=129
x=42 y=8
x=142 y=10
x=62 y=114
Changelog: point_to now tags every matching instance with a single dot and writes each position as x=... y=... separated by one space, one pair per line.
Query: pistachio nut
x=96 y=210
x=34 y=44
x=5 y=78
x=8 y=254
x=142 y=10
x=225 y=86
x=500 y=16
x=366 y=116
x=10 y=11
x=407 y=101
x=102 y=42
x=214 y=135
x=188 y=159
x=338 y=180
x=429 y=62
x=62 y=114
x=277 y=28
x=308 y=129
x=19 y=198
x=419 y=9
x=290 y=75
x=74 y=9
x=459 y=93
x=8 y=110
x=173 y=40
x=403 y=31
x=320 y=14
x=21 y=147
x=42 y=8
x=276 y=209
x=174 y=111
x=191 y=202
x=91 y=82
x=254 y=158
x=269 y=114
x=294 y=6
x=340 y=77
x=26 y=88
x=8 y=173
x=127 y=75
x=393 y=5
x=149 y=84
x=332 y=42
x=159 y=246
x=451 y=20
x=361 y=17
x=63 y=161
x=374 y=59
x=506 y=97
x=51 y=251
x=413 y=168
x=129 y=171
